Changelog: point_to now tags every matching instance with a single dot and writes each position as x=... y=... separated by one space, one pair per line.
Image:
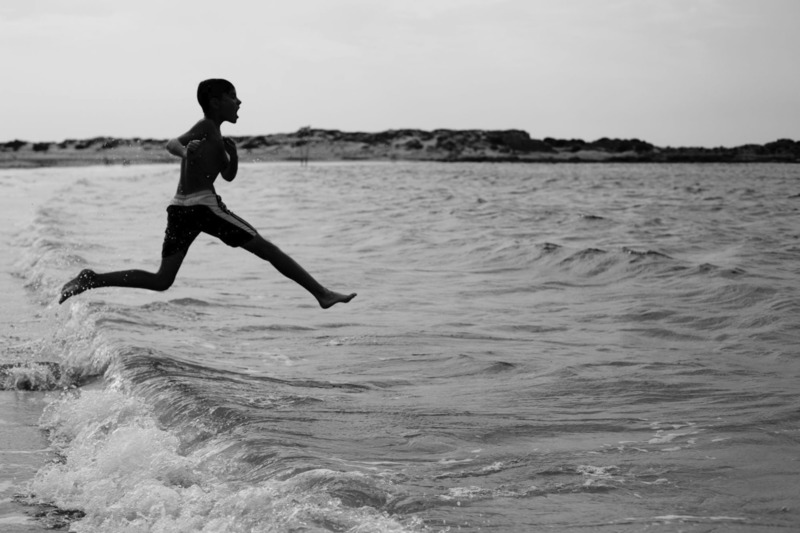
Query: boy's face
x=228 y=106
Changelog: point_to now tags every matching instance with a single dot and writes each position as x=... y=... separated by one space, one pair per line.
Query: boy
x=196 y=208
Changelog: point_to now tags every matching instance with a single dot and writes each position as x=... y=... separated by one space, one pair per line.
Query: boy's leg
x=159 y=281
x=289 y=268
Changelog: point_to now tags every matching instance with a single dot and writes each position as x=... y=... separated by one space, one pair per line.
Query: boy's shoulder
x=202 y=129
x=205 y=124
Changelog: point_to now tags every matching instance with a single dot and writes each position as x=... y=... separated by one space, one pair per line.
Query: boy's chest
x=214 y=151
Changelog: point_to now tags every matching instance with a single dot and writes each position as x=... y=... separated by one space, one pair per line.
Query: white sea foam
x=127 y=474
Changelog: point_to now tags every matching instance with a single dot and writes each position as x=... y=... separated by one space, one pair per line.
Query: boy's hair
x=213 y=88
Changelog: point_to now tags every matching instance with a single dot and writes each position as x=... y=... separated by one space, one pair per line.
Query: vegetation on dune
x=399 y=144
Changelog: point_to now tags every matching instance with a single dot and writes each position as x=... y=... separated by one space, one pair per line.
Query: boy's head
x=213 y=88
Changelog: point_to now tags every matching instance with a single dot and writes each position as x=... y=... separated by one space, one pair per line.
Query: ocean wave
x=40 y=376
x=519 y=340
x=124 y=470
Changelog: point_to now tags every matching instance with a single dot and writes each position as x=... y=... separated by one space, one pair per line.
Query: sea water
x=533 y=348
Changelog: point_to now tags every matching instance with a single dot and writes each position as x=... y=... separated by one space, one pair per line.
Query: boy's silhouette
x=196 y=208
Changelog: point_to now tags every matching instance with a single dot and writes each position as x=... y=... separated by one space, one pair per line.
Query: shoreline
x=469 y=146
x=23 y=452
x=24 y=446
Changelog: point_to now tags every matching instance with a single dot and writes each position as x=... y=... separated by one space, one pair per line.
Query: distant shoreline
x=485 y=146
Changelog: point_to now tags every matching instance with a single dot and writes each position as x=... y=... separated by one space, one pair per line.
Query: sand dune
x=400 y=145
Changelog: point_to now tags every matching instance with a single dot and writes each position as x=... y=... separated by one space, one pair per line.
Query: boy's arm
x=233 y=164
x=188 y=142
x=176 y=148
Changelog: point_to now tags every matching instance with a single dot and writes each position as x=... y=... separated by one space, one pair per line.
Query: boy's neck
x=214 y=120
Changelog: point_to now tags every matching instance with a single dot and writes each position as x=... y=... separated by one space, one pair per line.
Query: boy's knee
x=163 y=283
x=270 y=248
x=262 y=247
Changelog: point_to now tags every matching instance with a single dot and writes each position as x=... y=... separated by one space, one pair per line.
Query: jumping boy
x=196 y=208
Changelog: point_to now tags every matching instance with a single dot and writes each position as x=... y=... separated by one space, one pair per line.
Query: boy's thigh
x=227 y=227
x=183 y=227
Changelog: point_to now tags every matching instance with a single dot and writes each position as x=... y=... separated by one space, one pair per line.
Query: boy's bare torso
x=201 y=168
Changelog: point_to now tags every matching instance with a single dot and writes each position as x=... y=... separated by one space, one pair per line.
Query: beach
x=604 y=347
x=23 y=446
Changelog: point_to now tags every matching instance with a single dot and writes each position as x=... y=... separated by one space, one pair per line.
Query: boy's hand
x=192 y=147
x=230 y=146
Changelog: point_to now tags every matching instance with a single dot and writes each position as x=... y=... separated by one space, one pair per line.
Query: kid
x=196 y=208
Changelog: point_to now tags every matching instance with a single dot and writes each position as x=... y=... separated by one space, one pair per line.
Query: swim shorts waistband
x=197 y=198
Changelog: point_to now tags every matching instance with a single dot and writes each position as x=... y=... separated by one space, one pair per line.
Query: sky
x=670 y=72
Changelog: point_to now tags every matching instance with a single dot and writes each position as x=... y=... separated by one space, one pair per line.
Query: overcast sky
x=671 y=72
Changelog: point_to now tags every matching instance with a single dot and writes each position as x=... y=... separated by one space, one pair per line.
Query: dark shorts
x=185 y=223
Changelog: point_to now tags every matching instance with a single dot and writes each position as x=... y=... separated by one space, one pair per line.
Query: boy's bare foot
x=332 y=298
x=87 y=279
